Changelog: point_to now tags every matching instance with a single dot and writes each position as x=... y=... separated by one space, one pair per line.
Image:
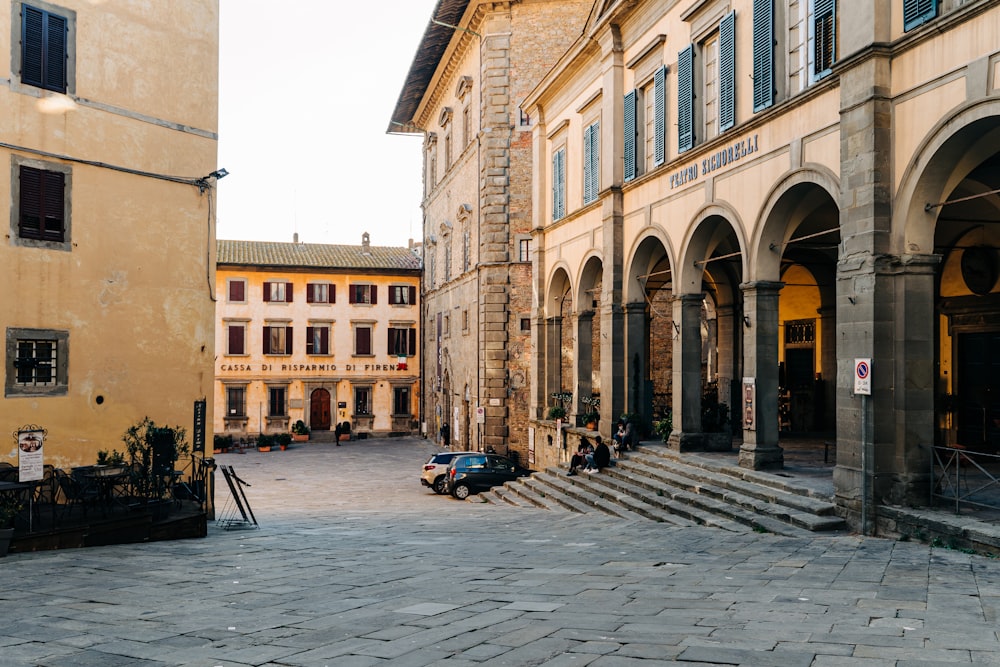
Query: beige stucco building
x=476 y=60
x=768 y=206
x=322 y=333
x=109 y=137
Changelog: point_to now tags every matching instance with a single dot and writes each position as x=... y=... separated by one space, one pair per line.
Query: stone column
x=828 y=365
x=687 y=434
x=635 y=361
x=726 y=358
x=760 y=449
x=584 y=359
x=553 y=360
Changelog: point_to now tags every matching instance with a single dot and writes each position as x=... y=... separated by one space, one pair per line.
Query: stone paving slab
x=355 y=563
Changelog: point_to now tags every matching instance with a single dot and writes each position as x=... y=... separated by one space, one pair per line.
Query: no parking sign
x=863 y=376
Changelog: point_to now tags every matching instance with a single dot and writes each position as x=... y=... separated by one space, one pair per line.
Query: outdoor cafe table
x=111 y=483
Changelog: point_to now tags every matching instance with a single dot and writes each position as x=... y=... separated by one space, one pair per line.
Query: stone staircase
x=657 y=484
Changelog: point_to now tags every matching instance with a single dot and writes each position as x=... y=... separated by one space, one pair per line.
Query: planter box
x=296 y=437
x=264 y=449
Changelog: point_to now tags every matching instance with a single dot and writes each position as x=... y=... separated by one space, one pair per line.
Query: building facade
x=476 y=61
x=108 y=266
x=753 y=213
x=323 y=333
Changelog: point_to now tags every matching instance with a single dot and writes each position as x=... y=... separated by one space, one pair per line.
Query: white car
x=433 y=474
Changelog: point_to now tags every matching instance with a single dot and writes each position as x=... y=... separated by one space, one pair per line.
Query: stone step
x=582 y=495
x=535 y=494
x=709 y=491
x=643 y=482
x=763 y=484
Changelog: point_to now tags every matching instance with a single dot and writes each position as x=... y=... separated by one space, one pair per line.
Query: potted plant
x=664 y=427
x=222 y=443
x=300 y=432
x=283 y=440
x=10 y=507
x=593 y=414
x=265 y=442
x=559 y=411
x=153 y=452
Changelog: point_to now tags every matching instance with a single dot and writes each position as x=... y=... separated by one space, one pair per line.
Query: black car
x=470 y=473
x=434 y=473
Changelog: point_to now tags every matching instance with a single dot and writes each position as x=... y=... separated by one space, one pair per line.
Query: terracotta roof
x=425 y=62
x=315 y=255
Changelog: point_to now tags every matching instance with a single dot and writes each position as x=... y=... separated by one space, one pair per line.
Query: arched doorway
x=319 y=410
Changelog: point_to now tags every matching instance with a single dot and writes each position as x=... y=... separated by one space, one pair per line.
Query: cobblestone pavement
x=355 y=563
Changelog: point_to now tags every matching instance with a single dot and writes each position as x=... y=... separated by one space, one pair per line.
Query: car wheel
x=461 y=491
x=441 y=485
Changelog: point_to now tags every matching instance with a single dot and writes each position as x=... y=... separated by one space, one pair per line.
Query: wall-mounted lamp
x=851 y=299
x=202 y=182
x=746 y=321
x=677 y=327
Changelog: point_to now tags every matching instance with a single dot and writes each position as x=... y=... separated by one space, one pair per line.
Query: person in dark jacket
x=600 y=458
x=579 y=459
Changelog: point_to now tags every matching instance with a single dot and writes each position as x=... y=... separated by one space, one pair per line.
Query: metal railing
x=963 y=476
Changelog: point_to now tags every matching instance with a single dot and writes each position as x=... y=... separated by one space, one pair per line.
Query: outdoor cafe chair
x=75 y=491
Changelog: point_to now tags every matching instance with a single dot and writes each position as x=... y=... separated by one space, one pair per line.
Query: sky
x=303 y=114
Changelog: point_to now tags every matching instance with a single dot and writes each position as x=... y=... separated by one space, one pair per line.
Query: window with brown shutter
x=237 y=339
x=318 y=340
x=237 y=291
x=363 y=341
x=42 y=204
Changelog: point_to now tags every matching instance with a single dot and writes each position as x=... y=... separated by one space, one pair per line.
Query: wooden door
x=319 y=410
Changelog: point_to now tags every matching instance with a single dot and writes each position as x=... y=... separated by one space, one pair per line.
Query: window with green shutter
x=660 y=116
x=763 y=54
x=685 y=99
x=558 y=184
x=727 y=71
x=631 y=135
x=918 y=12
x=823 y=29
x=591 y=162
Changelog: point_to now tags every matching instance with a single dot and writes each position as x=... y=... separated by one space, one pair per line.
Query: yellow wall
x=135 y=289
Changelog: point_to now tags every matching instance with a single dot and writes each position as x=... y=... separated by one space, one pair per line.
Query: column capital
x=762 y=286
x=688 y=299
x=634 y=307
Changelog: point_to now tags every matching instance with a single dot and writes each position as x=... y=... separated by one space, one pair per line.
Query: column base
x=700 y=442
x=761 y=457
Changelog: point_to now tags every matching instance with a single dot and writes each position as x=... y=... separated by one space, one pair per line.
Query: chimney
x=295 y=237
x=365 y=246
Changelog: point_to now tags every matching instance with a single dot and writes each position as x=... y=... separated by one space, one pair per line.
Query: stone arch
x=952 y=149
x=789 y=201
x=708 y=233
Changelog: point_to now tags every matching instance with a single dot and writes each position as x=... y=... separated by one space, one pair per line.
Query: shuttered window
x=660 y=114
x=318 y=339
x=685 y=99
x=43 y=49
x=277 y=339
x=402 y=342
x=591 y=162
x=763 y=54
x=559 y=184
x=918 y=12
x=365 y=294
x=237 y=291
x=727 y=72
x=42 y=204
x=277 y=292
x=237 y=339
x=363 y=341
x=631 y=135
x=824 y=34
x=402 y=295
x=321 y=293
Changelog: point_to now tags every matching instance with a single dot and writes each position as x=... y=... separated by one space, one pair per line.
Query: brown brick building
x=475 y=63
